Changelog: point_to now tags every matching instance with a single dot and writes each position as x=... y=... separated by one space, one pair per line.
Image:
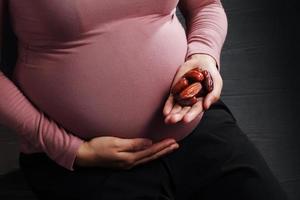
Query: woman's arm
x=206 y=27
x=20 y=115
x=206 y=23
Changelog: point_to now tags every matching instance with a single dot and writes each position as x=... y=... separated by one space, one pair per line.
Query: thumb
x=132 y=145
x=209 y=99
x=215 y=94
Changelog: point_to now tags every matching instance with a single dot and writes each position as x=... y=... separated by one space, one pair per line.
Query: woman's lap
x=49 y=181
x=216 y=153
x=221 y=162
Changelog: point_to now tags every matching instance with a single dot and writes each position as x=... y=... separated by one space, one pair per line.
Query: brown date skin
x=187 y=102
x=208 y=82
x=194 y=75
x=190 y=91
x=201 y=84
x=180 y=85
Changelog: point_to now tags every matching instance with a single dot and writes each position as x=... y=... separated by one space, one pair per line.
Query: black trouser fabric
x=216 y=161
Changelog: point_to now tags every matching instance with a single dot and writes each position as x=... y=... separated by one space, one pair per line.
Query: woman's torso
x=101 y=67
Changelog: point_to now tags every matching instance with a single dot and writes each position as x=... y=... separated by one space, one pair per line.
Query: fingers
x=132 y=145
x=168 y=105
x=177 y=108
x=215 y=94
x=158 y=154
x=158 y=149
x=155 y=148
x=174 y=117
x=197 y=109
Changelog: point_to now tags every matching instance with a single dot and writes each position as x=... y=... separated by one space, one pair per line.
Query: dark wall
x=8 y=53
x=260 y=69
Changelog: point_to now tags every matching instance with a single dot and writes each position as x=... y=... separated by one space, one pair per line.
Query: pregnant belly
x=107 y=87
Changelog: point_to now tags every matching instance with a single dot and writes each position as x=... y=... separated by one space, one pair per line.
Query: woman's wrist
x=85 y=155
x=204 y=59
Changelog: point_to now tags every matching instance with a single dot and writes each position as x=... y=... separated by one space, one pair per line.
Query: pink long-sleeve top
x=95 y=68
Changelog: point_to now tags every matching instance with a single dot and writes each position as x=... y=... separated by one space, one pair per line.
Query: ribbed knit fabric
x=95 y=68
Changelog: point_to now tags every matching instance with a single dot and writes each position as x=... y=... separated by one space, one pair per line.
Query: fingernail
x=206 y=106
x=165 y=112
x=188 y=118
x=174 y=146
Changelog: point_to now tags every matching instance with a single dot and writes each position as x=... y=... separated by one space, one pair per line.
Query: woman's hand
x=120 y=153
x=175 y=113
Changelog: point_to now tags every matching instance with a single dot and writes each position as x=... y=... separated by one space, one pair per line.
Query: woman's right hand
x=113 y=152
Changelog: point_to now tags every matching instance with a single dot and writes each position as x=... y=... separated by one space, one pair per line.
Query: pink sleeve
x=206 y=27
x=18 y=114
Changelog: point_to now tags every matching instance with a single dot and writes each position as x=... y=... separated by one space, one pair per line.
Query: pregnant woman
x=90 y=99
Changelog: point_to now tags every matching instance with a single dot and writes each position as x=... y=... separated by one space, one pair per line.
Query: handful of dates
x=194 y=83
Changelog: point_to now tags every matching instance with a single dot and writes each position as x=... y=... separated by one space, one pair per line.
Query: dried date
x=190 y=91
x=194 y=75
x=187 y=102
x=208 y=82
x=180 y=85
x=193 y=84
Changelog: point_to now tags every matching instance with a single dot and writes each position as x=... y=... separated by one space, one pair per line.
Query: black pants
x=216 y=161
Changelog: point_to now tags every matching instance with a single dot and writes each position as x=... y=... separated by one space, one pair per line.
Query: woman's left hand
x=175 y=113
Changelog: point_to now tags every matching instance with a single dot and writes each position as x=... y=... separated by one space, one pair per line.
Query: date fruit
x=190 y=91
x=193 y=84
x=194 y=75
x=208 y=82
x=187 y=102
x=180 y=85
